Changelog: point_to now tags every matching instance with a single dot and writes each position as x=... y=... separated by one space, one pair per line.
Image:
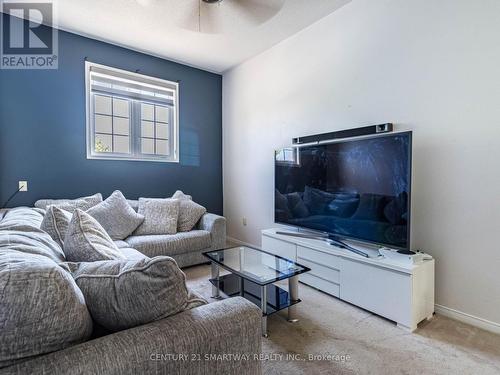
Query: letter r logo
x=23 y=32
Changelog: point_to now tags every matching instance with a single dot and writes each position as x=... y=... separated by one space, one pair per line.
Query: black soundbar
x=348 y=133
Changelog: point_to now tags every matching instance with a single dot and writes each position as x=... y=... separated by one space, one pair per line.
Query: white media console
x=399 y=292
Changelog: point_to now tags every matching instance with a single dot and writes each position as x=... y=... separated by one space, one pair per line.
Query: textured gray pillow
x=189 y=214
x=116 y=216
x=55 y=223
x=87 y=241
x=180 y=195
x=160 y=216
x=124 y=294
x=71 y=205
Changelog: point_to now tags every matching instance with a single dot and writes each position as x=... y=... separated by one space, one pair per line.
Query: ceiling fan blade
x=226 y=16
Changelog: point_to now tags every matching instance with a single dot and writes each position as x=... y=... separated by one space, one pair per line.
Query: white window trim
x=147 y=80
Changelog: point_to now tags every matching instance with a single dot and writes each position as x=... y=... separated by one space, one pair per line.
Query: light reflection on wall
x=190 y=148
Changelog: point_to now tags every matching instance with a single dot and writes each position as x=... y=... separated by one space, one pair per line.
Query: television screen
x=353 y=189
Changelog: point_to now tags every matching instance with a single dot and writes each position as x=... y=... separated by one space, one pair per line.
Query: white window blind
x=131 y=116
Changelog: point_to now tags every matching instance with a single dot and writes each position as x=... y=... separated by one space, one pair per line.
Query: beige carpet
x=373 y=345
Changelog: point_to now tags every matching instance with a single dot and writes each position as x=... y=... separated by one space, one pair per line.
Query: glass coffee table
x=252 y=274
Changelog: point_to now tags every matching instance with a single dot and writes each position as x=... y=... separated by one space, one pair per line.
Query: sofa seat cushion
x=42 y=309
x=120 y=243
x=132 y=254
x=171 y=244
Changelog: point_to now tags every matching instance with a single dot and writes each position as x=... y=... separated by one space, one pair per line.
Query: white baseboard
x=467 y=318
x=439 y=309
x=243 y=243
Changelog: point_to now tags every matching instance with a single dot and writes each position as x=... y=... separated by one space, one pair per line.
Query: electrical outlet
x=244 y=220
x=23 y=185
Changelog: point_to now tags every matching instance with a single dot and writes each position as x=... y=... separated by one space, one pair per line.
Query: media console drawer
x=321 y=284
x=319 y=257
x=319 y=270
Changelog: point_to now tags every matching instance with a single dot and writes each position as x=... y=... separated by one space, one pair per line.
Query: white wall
x=431 y=66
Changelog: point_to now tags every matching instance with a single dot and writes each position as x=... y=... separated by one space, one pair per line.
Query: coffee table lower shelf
x=277 y=298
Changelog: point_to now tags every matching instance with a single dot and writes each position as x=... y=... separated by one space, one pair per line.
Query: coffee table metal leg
x=263 y=303
x=293 y=291
x=215 y=275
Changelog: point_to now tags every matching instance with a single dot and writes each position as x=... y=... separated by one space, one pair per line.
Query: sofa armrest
x=219 y=338
x=216 y=225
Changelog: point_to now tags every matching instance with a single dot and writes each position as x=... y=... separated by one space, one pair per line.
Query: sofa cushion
x=87 y=241
x=180 y=195
x=120 y=244
x=116 y=216
x=180 y=243
x=160 y=216
x=124 y=294
x=20 y=229
x=132 y=254
x=189 y=214
x=71 y=205
x=55 y=223
x=42 y=309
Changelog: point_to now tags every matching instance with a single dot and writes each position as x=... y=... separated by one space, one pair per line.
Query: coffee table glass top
x=256 y=265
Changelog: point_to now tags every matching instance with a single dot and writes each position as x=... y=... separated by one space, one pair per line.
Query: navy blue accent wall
x=42 y=131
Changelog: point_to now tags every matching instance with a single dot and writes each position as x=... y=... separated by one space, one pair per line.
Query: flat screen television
x=356 y=189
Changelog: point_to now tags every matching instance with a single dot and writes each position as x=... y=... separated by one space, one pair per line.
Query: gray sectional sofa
x=46 y=328
x=185 y=247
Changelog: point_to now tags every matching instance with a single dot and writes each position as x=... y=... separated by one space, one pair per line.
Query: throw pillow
x=189 y=212
x=71 y=204
x=116 y=216
x=55 y=223
x=124 y=294
x=160 y=216
x=180 y=195
x=87 y=241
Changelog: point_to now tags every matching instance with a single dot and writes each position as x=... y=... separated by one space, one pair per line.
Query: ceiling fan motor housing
x=212 y=1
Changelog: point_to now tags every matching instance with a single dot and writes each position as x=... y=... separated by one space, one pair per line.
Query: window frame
x=135 y=119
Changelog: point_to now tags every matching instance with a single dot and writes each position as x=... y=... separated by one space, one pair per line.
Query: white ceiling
x=165 y=28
